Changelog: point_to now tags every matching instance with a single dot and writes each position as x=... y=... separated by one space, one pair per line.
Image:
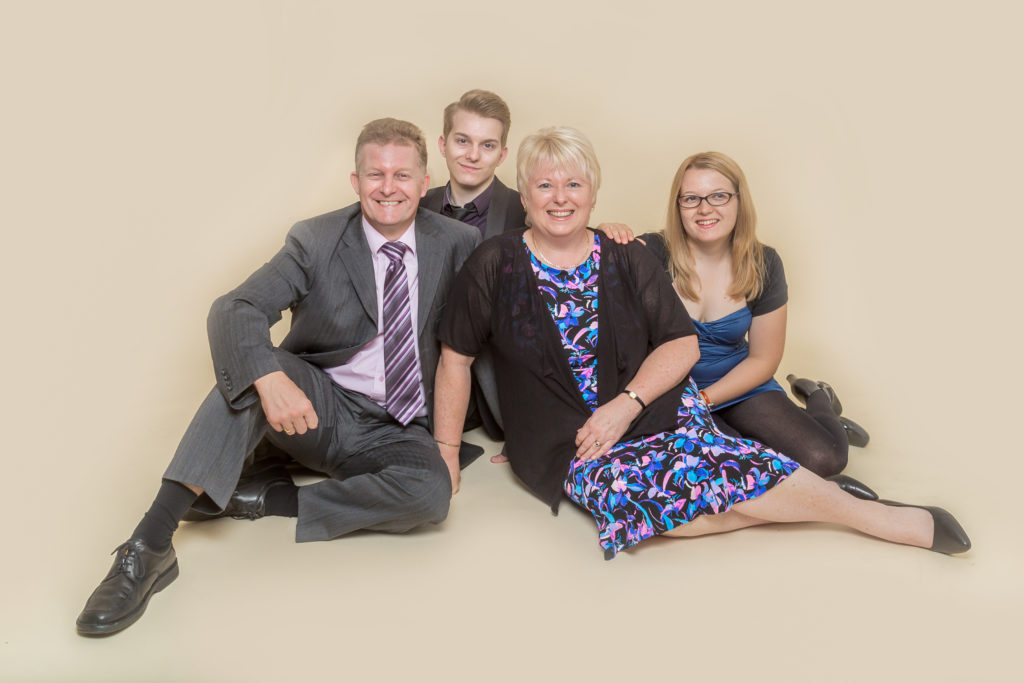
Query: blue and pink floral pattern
x=648 y=486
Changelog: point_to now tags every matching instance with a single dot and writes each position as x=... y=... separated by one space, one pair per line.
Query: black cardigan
x=495 y=301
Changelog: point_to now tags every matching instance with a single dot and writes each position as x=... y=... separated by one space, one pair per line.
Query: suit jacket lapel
x=355 y=254
x=496 y=211
x=430 y=256
x=497 y=214
x=434 y=199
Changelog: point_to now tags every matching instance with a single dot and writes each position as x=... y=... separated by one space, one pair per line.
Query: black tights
x=813 y=437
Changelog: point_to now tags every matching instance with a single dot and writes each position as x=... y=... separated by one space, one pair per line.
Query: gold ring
x=289 y=432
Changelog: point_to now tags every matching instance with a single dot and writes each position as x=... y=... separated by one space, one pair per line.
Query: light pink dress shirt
x=364 y=372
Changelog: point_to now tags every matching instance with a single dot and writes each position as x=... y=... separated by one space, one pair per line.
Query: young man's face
x=390 y=183
x=472 y=150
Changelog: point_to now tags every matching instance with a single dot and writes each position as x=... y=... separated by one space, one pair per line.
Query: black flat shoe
x=249 y=500
x=802 y=388
x=949 y=538
x=855 y=434
x=121 y=598
x=853 y=487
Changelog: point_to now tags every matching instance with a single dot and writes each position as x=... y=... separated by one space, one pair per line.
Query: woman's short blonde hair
x=562 y=147
x=747 y=251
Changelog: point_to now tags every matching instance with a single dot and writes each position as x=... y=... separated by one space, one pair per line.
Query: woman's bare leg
x=715 y=524
x=806 y=497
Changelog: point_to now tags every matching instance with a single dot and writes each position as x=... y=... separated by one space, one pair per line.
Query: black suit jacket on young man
x=504 y=213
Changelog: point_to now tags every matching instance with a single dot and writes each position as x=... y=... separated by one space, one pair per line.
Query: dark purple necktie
x=401 y=370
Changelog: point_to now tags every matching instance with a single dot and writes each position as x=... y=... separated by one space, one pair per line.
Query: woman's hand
x=605 y=427
x=618 y=232
x=450 y=455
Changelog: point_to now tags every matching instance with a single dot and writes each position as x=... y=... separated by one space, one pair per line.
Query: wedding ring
x=289 y=432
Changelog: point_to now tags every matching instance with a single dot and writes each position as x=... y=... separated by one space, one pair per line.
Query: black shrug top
x=495 y=301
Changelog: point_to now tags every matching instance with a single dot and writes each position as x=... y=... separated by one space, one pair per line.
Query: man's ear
x=504 y=153
x=440 y=146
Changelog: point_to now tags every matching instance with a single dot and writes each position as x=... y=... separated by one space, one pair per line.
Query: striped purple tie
x=401 y=370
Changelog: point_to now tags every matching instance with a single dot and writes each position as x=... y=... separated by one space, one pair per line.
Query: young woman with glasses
x=734 y=289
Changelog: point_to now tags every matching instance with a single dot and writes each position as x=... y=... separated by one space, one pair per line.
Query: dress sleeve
x=775 y=292
x=666 y=316
x=466 y=323
x=655 y=242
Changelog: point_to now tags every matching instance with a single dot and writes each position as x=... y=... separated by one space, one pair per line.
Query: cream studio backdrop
x=155 y=154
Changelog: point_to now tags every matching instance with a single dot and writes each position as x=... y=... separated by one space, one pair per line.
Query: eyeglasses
x=692 y=201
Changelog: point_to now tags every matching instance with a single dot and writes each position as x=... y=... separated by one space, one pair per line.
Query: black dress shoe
x=855 y=434
x=853 y=487
x=949 y=537
x=802 y=388
x=249 y=501
x=121 y=597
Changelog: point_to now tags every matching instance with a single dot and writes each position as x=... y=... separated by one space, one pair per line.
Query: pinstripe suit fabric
x=381 y=475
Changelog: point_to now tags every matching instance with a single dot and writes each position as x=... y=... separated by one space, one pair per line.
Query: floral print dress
x=647 y=486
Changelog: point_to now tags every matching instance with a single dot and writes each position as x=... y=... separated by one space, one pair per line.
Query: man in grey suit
x=473 y=144
x=346 y=394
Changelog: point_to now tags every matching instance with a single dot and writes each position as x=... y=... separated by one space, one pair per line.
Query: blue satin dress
x=723 y=345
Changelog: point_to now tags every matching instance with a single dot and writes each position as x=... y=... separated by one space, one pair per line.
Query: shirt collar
x=481 y=201
x=377 y=240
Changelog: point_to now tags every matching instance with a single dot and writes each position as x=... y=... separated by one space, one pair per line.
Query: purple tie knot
x=394 y=251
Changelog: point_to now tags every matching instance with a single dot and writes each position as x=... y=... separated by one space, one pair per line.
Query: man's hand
x=285 y=404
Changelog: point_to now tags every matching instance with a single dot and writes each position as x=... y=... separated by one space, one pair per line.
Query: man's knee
x=429 y=495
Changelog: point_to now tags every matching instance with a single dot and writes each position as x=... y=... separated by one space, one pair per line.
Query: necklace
x=544 y=259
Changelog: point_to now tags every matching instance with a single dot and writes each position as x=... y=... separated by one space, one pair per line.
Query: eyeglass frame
x=679 y=199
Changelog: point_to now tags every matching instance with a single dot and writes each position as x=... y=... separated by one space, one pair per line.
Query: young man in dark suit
x=473 y=146
x=348 y=393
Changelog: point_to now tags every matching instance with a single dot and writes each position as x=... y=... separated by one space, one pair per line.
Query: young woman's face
x=705 y=223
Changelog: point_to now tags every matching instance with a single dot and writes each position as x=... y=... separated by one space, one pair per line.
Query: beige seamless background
x=156 y=153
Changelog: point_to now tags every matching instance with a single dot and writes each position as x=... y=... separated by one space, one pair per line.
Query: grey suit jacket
x=324 y=274
x=504 y=213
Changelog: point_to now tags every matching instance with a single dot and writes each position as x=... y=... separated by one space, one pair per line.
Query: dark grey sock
x=161 y=520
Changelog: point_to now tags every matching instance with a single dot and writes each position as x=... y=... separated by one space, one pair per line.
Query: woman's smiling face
x=704 y=223
x=558 y=200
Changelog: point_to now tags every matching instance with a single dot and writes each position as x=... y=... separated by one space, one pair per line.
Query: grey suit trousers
x=381 y=476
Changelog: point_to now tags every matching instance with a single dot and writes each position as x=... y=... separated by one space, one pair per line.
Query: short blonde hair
x=392 y=132
x=482 y=103
x=747 y=251
x=561 y=147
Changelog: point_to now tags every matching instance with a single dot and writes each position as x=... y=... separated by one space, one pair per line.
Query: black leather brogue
x=249 y=500
x=121 y=598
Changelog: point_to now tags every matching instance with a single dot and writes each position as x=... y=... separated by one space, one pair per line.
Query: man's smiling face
x=390 y=183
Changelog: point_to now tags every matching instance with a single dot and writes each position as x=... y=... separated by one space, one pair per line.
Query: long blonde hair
x=747 y=251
